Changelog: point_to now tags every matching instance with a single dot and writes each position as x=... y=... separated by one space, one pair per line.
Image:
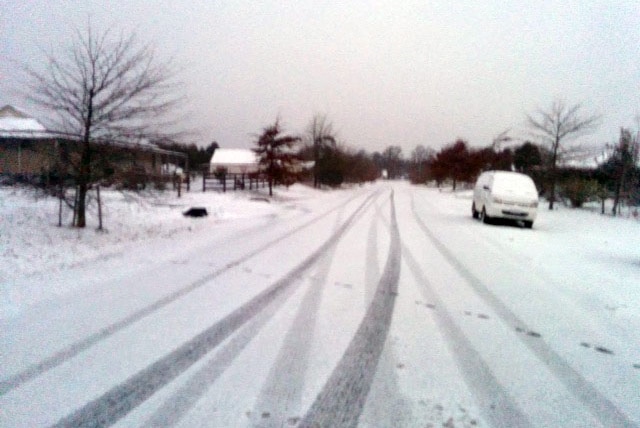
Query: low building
x=28 y=149
x=235 y=161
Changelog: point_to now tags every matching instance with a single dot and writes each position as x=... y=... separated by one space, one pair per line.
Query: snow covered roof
x=236 y=161
x=15 y=123
x=234 y=156
x=589 y=158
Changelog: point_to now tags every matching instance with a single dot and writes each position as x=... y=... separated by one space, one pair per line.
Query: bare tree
x=393 y=161
x=104 y=87
x=554 y=127
x=421 y=156
x=320 y=135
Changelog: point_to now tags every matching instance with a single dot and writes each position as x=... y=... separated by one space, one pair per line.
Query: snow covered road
x=381 y=306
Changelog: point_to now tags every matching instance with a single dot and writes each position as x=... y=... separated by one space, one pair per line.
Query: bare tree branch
x=554 y=127
x=319 y=135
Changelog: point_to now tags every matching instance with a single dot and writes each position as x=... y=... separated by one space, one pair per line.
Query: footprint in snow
x=530 y=333
x=427 y=305
x=481 y=316
x=600 y=349
x=603 y=350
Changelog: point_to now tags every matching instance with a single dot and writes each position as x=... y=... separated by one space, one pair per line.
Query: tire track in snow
x=372 y=271
x=385 y=404
x=76 y=348
x=342 y=399
x=180 y=402
x=281 y=394
x=600 y=406
x=497 y=406
x=121 y=399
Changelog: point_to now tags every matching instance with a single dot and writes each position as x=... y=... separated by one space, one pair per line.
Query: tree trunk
x=99 y=208
x=60 y=198
x=84 y=173
x=554 y=160
x=620 y=185
x=81 y=205
x=75 y=211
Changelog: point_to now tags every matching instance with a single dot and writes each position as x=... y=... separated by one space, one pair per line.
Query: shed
x=235 y=161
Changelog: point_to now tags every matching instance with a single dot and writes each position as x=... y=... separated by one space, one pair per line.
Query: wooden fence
x=223 y=181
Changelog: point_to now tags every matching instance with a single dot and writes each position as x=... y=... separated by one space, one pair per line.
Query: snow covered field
x=465 y=324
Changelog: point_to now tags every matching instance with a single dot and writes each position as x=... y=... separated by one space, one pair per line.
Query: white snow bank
x=32 y=244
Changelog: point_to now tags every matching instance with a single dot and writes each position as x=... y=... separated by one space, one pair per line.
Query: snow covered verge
x=32 y=245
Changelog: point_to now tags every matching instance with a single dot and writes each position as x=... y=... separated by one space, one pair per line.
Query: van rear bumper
x=511 y=212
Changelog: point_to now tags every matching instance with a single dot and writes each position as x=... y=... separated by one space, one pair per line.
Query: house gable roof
x=10 y=111
x=15 y=123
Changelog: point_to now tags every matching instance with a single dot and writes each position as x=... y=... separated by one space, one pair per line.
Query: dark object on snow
x=196 y=212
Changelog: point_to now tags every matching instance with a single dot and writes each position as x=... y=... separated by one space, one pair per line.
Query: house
x=28 y=149
x=25 y=145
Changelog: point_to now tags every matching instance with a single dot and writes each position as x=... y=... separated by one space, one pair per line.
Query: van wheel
x=484 y=217
x=474 y=212
x=528 y=224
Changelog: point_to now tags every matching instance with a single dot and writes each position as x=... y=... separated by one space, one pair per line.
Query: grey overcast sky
x=384 y=72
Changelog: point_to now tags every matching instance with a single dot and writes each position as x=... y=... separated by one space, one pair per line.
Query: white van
x=504 y=194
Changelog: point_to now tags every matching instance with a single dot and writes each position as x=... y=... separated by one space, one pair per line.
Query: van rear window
x=512 y=182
